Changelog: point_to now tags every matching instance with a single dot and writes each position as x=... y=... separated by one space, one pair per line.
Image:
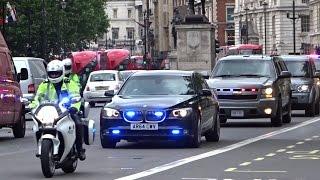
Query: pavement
x=248 y=149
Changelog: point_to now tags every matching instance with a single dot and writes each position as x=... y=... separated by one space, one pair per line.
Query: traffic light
x=217 y=45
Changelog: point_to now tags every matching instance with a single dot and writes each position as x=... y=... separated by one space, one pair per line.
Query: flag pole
x=3 y=19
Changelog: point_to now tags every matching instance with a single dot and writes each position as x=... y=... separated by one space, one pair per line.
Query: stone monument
x=195 y=43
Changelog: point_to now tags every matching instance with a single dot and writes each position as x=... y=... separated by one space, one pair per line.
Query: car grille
x=237 y=97
x=134 y=116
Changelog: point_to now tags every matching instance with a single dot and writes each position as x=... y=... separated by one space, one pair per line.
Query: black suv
x=305 y=80
x=252 y=86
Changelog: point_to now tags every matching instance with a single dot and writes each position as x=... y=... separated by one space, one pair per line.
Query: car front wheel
x=213 y=135
x=277 y=119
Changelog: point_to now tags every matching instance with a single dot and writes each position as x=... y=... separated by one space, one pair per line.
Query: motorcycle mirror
x=75 y=100
x=25 y=101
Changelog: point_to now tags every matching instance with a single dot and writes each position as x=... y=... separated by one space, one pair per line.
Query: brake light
x=88 y=89
x=31 y=88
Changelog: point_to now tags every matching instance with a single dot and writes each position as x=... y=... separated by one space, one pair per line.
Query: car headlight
x=181 y=112
x=110 y=113
x=303 y=88
x=268 y=92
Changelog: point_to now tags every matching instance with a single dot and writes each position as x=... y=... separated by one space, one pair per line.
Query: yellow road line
x=245 y=164
x=230 y=169
x=281 y=150
x=259 y=159
x=270 y=154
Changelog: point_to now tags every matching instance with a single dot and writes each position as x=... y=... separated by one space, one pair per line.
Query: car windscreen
x=19 y=65
x=126 y=74
x=298 y=68
x=102 y=77
x=157 y=85
x=225 y=68
x=317 y=64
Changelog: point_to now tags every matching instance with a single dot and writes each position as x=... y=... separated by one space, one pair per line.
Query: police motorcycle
x=56 y=135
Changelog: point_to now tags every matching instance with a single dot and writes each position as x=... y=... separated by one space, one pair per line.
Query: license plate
x=144 y=126
x=102 y=88
x=237 y=113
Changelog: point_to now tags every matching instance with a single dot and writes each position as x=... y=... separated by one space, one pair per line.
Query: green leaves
x=78 y=24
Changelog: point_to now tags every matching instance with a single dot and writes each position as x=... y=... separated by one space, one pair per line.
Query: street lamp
x=294 y=24
x=247 y=27
x=265 y=4
x=241 y=28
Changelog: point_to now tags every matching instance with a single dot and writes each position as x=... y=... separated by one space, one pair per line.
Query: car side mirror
x=23 y=75
x=206 y=92
x=109 y=93
x=285 y=74
x=317 y=74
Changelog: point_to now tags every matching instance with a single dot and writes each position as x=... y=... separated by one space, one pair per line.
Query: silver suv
x=252 y=86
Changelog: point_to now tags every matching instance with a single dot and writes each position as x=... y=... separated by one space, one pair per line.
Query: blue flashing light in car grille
x=133 y=116
x=156 y=116
x=130 y=114
x=115 y=131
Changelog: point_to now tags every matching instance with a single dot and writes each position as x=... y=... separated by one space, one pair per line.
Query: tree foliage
x=73 y=27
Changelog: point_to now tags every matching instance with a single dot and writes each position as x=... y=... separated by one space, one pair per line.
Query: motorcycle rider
x=68 y=71
x=52 y=89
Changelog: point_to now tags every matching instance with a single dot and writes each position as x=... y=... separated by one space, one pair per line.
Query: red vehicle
x=111 y=59
x=244 y=49
x=12 y=108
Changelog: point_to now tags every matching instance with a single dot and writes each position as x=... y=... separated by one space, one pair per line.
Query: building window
x=230 y=13
x=305 y=23
x=275 y=2
x=273 y=26
x=130 y=33
x=115 y=33
x=305 y=1
x=230 y=37
x=115 y=13
x=129 y=13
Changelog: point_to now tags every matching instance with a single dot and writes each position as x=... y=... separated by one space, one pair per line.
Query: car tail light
x=31 y=88
x=88 y=89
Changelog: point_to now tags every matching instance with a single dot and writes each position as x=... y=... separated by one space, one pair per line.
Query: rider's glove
x=73 y=110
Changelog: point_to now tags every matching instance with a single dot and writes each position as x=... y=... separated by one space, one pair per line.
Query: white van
x=36 y=74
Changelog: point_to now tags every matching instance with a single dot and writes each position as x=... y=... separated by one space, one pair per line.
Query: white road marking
x=281 y=150
x=270 y=154
x=230 y=169
x=300 y=142
x=214 y=152
x=308 y=139
x=315 y=136
x=290 y=147
x=259 y=171
x=245 y=164
x=259 y=159
x=198 y=179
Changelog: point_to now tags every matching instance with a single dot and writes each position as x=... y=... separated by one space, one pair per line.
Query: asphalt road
x=250 y=149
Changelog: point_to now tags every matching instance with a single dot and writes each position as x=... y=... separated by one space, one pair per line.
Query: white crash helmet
x=67 y=65
x=55 y=70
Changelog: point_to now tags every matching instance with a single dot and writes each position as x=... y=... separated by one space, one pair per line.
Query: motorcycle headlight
x=181 y=112
x=303 y=88
x=110 y=113
x=47 y=115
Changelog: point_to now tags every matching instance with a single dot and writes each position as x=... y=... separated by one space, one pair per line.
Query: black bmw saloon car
x=161 y=105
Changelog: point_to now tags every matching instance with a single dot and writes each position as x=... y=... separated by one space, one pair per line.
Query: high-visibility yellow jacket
x=47 y=92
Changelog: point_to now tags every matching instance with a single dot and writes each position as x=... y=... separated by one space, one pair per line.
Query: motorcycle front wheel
x=47 y=160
